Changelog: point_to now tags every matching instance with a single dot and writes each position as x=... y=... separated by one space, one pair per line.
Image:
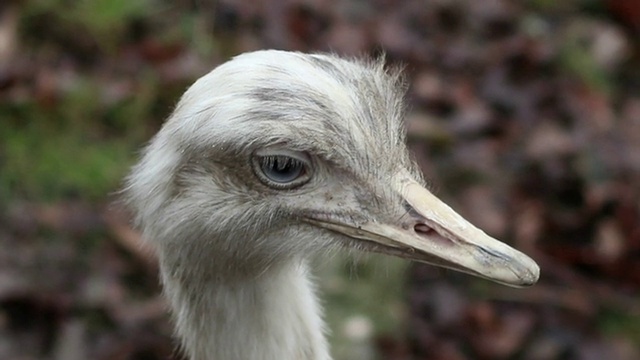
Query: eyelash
x=281 y=171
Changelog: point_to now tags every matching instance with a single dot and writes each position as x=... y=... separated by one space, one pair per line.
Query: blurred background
x=524 y=115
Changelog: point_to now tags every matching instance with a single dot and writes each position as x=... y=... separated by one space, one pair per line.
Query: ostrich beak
x=432 y=232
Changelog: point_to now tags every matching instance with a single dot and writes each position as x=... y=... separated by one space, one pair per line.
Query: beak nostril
x=431 y=234
x=423 y=229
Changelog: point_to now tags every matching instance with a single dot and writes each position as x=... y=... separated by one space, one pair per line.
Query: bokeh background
x=524 y=115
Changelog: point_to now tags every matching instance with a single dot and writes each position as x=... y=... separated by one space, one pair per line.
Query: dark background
x=525 y=116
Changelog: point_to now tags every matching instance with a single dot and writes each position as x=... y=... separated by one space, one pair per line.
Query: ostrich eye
x=281 y=169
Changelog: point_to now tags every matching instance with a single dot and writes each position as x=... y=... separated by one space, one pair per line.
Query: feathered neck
x=271 y=316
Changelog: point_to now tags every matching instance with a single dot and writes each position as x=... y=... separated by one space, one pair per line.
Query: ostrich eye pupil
x=281 y=169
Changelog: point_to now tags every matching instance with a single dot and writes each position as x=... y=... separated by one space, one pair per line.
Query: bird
x=273 y=158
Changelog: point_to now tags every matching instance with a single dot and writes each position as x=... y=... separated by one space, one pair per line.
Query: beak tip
x=529 y=273
x=534 y=275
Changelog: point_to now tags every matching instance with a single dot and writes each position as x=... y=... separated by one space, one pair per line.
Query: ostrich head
x=277 y=155
x=273 y=157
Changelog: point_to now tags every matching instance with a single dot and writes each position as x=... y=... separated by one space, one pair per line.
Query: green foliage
x=40 y=164
x=104 y=21
x=574 y=42
x=79 y=137
x=79 y=147
x=576 y=58
x=551 y=6
x=618 y=323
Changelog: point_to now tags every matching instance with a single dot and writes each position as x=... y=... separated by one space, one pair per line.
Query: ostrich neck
x=272 y=316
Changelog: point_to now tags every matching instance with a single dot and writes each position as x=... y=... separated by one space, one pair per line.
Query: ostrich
x=269 y=159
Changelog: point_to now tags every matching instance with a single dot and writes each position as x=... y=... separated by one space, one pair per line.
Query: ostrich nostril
x=431 y=234
x=423 y=229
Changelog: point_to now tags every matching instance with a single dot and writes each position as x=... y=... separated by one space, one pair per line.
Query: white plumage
x=269 y=159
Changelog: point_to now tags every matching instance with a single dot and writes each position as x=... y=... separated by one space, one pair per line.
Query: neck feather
x=271 y=316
